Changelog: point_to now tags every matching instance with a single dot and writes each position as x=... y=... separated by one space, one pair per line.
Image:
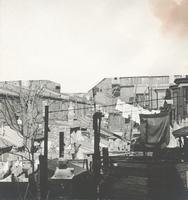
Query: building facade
x=24 y=101
x=147 y=91
x=178 y=94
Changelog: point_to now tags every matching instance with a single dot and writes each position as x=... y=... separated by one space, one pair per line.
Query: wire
x=110 y=105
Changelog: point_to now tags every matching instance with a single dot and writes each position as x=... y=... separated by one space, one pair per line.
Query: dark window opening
x=57 y=87
x=116 y=90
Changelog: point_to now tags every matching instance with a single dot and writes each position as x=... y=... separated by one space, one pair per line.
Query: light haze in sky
x=79 y=42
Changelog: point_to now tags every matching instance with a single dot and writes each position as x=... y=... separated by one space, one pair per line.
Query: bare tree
x=24 y=106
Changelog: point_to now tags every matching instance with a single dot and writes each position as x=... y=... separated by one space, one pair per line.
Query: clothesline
x=106 y=106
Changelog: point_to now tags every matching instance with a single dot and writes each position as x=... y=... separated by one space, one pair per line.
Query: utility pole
x=94 y=91
x=44 y=160
x=105 y=159
x=97 y=117
x=46 y=129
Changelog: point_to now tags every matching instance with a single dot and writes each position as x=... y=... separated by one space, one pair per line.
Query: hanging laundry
x=173 y=142
x=131 y=111
x=155 y=130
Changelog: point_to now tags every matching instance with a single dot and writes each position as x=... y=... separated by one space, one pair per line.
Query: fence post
x=105 y=158
x=61 y=144
x=43 y=178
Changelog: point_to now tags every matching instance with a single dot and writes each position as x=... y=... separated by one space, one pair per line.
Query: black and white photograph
x=93 y=99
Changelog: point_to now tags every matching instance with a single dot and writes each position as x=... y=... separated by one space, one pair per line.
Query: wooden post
x=61 y=144
x=180 y=142
x=46 y=133
x=96 y=157
x=43 y=178
x=87 y=166
x=105 y=159
x=44 y=160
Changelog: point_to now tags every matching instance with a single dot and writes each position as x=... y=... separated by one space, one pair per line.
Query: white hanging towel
x=173 y=141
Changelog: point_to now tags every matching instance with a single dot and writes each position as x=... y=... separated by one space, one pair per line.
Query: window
x=115 y=90
x=57 y=87
x=168 y=94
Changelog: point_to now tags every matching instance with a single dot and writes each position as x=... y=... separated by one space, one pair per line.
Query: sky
x=79 y=42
